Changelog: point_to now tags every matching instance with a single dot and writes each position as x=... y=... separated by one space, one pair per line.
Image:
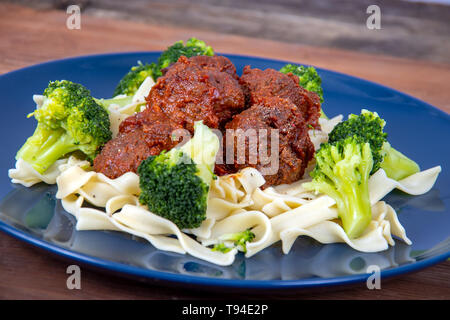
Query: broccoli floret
x=368 y=127
x=68 y=120
x=193 y=47
x=342 y=172
x=239 y=239
x=131 y=82
x=175 y=184
x=308 y=79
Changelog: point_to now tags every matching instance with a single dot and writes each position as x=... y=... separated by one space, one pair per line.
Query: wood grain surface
x=30 y=36
x=417 y=30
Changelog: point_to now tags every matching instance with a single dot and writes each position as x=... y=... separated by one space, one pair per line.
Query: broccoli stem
x=44 y=147
x=355 y=213
x=202 y=149
x=33 y=143
x=354 y=207
x=396 y=165
x=342 y=172
x=121 y=101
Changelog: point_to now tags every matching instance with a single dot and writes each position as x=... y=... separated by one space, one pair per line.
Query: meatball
x=258 y=84
x=198 y=88
x=219 y=63
x=141 y=135
x=256 y=148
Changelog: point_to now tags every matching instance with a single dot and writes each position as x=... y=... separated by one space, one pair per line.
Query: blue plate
x=416 y=128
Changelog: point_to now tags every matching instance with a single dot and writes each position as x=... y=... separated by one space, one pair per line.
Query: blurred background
x=410 y=51
x=409 y=28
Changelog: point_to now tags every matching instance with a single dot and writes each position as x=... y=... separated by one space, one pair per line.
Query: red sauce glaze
x=199 y=88
x=142 y=135
x=294 y=151
x=259 y=84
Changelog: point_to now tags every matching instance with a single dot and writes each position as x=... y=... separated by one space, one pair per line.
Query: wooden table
x=29 y=36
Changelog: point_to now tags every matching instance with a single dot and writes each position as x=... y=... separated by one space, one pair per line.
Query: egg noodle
x=236 y=203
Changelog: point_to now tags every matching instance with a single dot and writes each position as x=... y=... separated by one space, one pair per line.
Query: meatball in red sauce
x=199 y=88
x=271 y=135
x=219 y=63
x=259 y=84
x=142 y=135
x=277 y=116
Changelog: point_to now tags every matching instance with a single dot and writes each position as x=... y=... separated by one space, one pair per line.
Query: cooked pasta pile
x=236 y=203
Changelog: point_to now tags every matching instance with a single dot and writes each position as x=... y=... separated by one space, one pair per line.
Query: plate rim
x=202 y=281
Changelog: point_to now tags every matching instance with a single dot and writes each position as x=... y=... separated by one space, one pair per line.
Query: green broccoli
x=308 y=79
x=396 y=165
x=221 y=247
x=68 y=120
x=121 y=101
x=136 y=100
x=368 y=127
x=239 y=239
x=175 y=184
x=131 y=82
x=193 y=47
x=342 y=172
